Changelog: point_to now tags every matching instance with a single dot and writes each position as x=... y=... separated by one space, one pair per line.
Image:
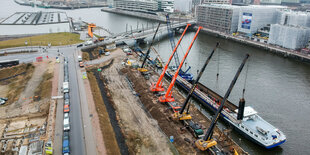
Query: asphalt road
x=77 y=144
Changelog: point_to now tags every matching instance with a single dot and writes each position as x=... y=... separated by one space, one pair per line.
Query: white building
x=255 y=17
x=290 y=37
x=137 y=5
x=292 y=30
x=293 y=18
x=216 y=2
x=270 y=2
x=166 y=5
x=22 y=23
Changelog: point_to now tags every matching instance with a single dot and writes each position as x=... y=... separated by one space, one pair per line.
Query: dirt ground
x=27 y=113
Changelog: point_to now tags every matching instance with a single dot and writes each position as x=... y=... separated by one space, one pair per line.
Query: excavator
x=142 y=69
x=167 y=98
x=181 y=115
x=158 y=87
x=207 y=141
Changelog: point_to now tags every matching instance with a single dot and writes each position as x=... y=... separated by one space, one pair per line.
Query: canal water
x=276 y=87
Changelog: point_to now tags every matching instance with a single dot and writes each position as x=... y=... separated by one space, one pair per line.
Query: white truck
x=65 y=87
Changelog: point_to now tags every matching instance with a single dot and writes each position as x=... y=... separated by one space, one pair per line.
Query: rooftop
x=35 y=18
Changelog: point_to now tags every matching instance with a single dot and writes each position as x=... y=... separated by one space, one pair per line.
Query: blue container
x=171 y=139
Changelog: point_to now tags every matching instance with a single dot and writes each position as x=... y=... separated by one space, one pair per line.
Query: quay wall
x=267 y=47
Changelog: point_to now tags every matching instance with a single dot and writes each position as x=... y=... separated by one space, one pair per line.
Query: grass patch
x=56 y=39
x=16 y=85
x=44 y=90
x=105 y=124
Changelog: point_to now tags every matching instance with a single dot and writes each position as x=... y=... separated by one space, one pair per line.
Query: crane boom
x=197 y=79
x=207 y=141
x=172 y=43
x=157 y=86
x=168 y=97
x=219 y=110
x=149 y=49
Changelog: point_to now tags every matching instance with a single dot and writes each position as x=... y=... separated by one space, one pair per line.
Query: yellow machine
x=204 y=145
x=181 y=117
x=142 y=70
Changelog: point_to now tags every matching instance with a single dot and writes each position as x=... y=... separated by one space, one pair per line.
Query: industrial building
x=290 y=37
x=255 y=17
x=223 y=18
x=22 y=23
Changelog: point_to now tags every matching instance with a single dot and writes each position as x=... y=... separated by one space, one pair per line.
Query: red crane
x=168 y=96
x=158 y=86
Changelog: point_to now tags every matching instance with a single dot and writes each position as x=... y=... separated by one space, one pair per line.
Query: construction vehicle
x=141 y=69
x=194 y=128
x=184 y=75
x=90 y=29
x=207 y=141
x=185 y=115
x=158 y=86
x=168 y=96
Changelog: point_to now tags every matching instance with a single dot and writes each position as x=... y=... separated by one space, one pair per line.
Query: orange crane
x=168 y=96
x=158 y=86
x=90 y=29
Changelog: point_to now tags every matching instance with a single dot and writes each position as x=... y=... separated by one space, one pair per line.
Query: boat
x=252 y=126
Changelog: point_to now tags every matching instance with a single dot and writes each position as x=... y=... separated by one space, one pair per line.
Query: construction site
x=142 y=122
x=27 y=118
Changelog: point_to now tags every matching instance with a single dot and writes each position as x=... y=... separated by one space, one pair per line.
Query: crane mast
x=168 y=96
x=158 y=86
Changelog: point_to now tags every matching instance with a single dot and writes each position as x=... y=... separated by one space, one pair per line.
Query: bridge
x=138 y=34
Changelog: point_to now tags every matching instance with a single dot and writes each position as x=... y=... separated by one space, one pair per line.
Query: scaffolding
x=223 y=18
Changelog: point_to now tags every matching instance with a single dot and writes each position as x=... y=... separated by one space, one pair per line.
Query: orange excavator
x=159 y=85
x=90 y=29
x=168 y=96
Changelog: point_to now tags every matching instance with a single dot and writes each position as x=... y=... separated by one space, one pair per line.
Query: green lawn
x=56 y=39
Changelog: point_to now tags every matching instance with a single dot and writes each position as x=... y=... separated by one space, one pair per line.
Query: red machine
x=158 y=86
x=168 y=96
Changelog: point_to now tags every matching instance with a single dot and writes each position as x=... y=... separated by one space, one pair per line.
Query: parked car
x=66 y=115
x=66 y=96
x=66 y=124
x=4 y=98
x=80 y=58
x=66 y=135
x=2 y=102
x=66 y=108
x=67 y=102
x=79 y=45
x=65 y=146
